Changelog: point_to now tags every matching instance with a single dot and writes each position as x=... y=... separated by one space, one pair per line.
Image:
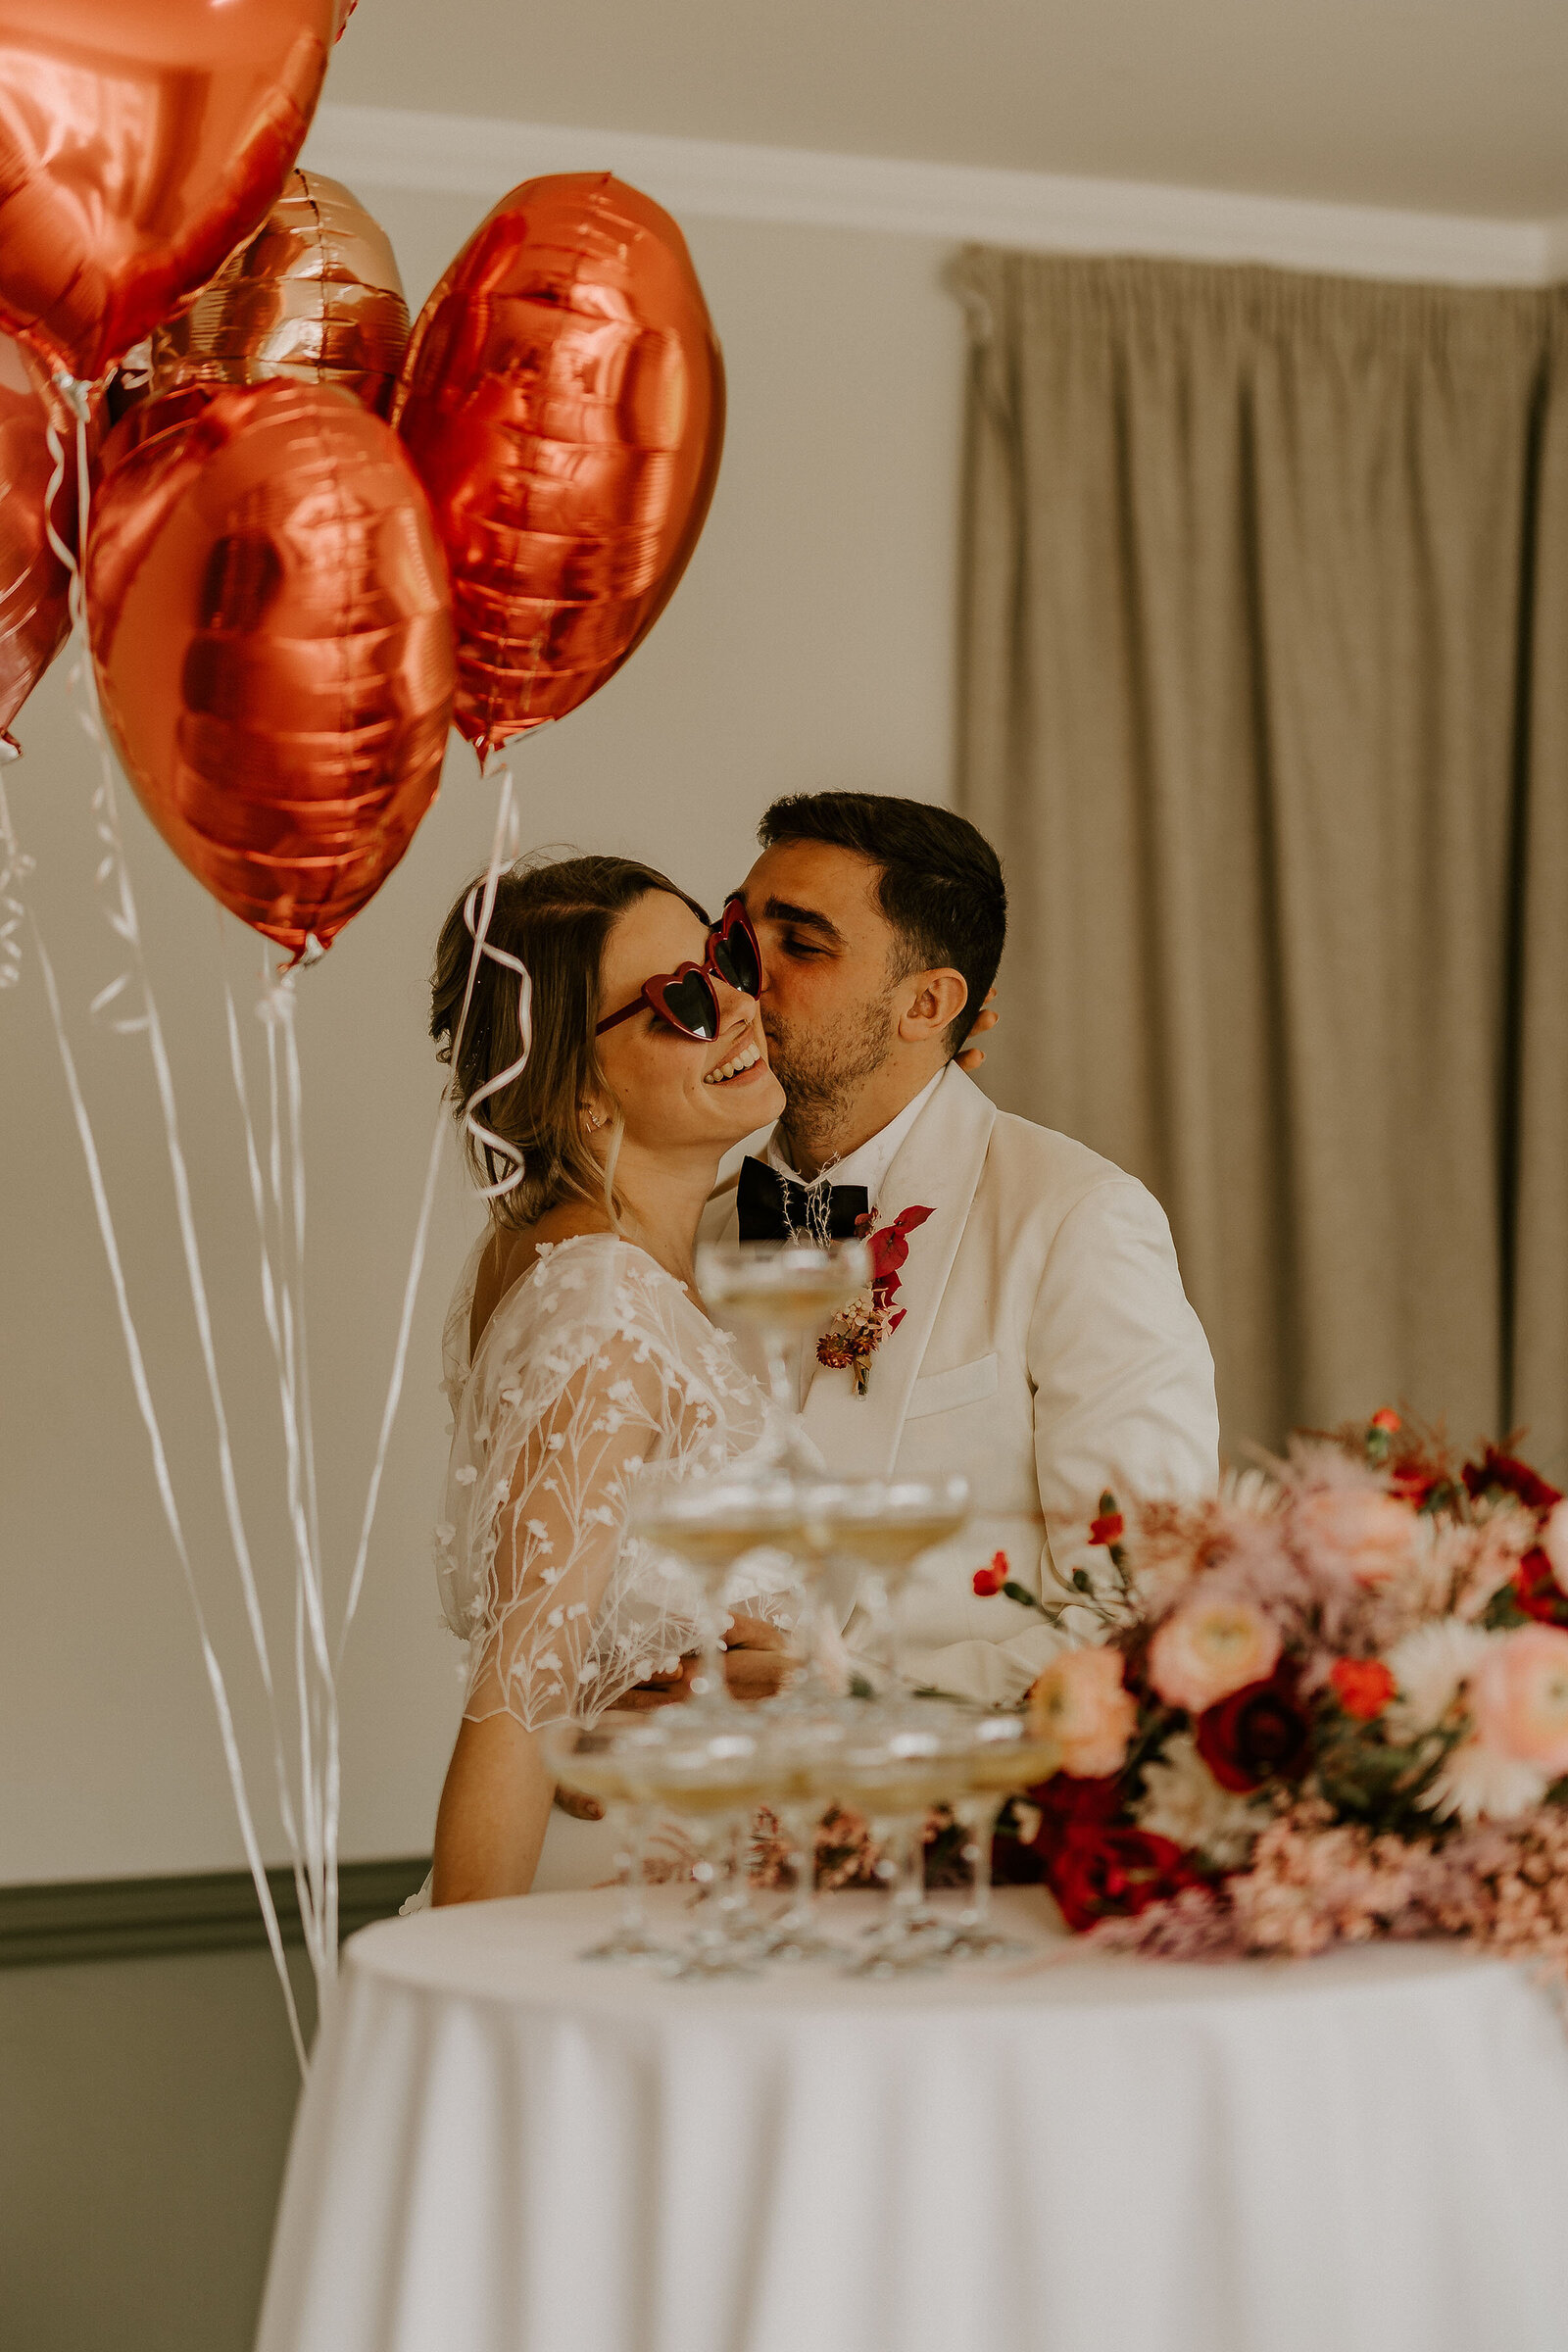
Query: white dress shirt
x=869 y=1163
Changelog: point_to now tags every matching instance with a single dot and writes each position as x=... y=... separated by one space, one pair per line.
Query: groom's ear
x=933 y=1001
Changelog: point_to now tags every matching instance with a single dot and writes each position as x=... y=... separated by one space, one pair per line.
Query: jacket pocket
x=946 y=1392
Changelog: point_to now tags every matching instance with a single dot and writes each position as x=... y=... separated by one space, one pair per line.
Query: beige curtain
x=1265 y=703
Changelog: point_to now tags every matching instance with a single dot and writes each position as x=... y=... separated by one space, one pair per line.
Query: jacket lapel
x=938 y=1169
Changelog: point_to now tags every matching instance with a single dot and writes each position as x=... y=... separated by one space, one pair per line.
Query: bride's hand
x=986 y=1019
x=757 y=1657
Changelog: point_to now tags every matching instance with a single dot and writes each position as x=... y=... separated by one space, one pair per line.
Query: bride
x=577 y=1348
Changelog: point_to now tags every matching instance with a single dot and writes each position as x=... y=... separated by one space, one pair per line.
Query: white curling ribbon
x=482 y=897
x=503 y=848
x=283 y=1311
x=313 y=1854
x=483 y=1135
x=15 y=867
x=166 y=1491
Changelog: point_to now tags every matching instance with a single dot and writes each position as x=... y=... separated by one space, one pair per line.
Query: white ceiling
x=1453 y=106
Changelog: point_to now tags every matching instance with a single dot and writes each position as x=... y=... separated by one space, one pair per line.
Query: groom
x=1047 y=1348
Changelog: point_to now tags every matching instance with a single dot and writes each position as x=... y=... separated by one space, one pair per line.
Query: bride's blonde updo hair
x=555 y=918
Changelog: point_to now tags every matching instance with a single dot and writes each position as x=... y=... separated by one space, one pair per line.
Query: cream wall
x=809 y=645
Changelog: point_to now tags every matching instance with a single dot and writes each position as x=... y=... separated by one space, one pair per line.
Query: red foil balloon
x=140 y=141
x=273 y=634
x=562 y=397
x=315 y=295
x=34 y=585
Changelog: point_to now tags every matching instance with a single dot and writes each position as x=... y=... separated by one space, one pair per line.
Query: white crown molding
x=477 y=156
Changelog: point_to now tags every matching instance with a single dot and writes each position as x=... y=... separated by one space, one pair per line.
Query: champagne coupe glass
x=1004 y=1756
x=886 y=1525
x=713 y=1778
x=786 y=1293
x=805 y=1745
x=904 y=1760
x=608 y=1760
x=710 y=1524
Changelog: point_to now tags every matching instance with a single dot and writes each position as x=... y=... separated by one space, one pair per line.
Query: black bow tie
x=772 y=1206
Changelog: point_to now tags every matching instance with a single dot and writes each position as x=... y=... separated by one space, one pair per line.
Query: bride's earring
x=593 y=1120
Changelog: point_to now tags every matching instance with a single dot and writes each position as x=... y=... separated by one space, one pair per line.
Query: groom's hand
x=757 y=1657
x=986 y=1019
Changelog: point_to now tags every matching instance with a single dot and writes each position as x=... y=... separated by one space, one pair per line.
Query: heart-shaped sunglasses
x=687 y=998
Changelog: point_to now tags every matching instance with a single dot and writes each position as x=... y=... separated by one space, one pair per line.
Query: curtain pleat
x=1265 y=703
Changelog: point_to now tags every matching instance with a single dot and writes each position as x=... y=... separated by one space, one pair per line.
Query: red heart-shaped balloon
x=140 y=141
x=272 y=629
x=34 y=585
x=562 y=399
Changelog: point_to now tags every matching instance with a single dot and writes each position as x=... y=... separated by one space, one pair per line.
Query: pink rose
x=1209 y=1648
x=1082 y=1702
x=1357 y=1531
x=1519 y=1697
x=1553 y=1542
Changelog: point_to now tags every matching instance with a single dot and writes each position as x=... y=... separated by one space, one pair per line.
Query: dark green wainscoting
x=147 y=2086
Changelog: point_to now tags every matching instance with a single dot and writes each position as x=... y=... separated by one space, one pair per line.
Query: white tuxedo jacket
x=1048 y=1350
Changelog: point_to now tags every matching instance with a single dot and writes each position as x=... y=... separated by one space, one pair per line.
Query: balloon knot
x=76 y=392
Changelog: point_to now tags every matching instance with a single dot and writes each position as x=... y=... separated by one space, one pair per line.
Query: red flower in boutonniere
x=859 y=1330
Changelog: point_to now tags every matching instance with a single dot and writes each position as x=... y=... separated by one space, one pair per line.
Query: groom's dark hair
x=941 y=886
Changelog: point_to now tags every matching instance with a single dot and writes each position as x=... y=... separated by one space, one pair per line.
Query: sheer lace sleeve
x=595 y=1365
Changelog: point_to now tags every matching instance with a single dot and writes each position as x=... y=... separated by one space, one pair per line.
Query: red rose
x=1388 y=1420
x=1537 y=1591
x=1099 y=1874
x=1363 y=1687
x=1067 y=1808
x=1514 y=1477
x=1110 y=1528
x=1260 y=1733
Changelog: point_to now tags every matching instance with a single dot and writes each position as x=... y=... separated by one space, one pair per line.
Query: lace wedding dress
x=595 y=1370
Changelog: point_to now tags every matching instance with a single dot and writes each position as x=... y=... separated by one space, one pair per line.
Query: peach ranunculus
x=1519 y=1697
x=1081 y=1702
x=1554 y=1543
x=1209 y=1648
x=1358 y=1531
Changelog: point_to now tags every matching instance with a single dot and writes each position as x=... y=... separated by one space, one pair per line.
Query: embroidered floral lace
x=596 y=1369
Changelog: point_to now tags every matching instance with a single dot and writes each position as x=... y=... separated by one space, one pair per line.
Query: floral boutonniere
x=859 y=1330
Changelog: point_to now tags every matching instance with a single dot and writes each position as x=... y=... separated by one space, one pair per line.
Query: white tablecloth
x=502 y=2150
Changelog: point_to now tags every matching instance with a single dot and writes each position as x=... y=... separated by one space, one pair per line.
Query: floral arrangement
x=859 y=1328
x=1331 y=1702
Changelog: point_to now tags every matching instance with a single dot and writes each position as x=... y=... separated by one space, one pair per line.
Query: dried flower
x=859 y=1328
x=1477 y=1783
x=1358 y=1531
x=1554 y=1543
x=1431 y=1666
x=1108 y=1528
x=1182 y=1800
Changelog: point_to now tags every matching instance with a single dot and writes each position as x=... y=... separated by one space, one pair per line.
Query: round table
x=503 y=2148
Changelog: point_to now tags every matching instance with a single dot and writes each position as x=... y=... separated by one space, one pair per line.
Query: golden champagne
x=901 y=1785
x=1002 y=1765
x=680 y=1792
x=897 y=1543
